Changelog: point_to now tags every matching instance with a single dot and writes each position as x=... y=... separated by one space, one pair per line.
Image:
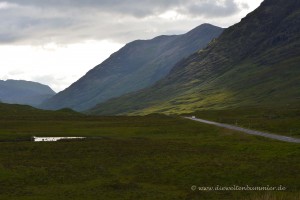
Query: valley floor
x=151 y=157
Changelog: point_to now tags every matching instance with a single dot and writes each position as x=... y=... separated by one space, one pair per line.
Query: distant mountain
x=253 y=63
x=137 y=65
x=24 y=92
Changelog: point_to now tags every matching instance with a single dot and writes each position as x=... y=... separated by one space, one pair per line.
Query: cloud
x=54 y=81
x=6 y=5
x=141 y=8
x=65 y=21
x=15 y=72
x=213 y=8
x=55 y=65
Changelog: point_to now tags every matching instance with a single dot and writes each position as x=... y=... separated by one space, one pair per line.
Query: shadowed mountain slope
x=137 y=65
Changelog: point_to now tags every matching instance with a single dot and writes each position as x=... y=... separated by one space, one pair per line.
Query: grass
x=283 y=121
x=150 y=157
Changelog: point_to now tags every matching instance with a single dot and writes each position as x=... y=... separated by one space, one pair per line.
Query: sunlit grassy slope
x=150 y=157
x=245 y=85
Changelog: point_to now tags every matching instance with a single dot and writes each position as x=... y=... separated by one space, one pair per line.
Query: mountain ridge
x=253 y=63
x=137 y=65
x=24 y=92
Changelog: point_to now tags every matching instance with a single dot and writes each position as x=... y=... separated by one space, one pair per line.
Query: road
x=248 y=131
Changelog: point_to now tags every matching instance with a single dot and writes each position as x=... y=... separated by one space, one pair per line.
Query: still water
x=53 y=139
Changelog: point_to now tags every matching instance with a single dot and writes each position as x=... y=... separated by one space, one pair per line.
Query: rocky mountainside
x=253 y=63
x=137 y=65
x=24 y=92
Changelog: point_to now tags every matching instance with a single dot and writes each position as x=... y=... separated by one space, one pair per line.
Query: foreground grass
x=151 y=157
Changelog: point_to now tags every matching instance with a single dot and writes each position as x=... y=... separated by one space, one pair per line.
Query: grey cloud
x=137 y=8
x=245 y=5
x=15 y=72
x=211 y=9
x=67 y=21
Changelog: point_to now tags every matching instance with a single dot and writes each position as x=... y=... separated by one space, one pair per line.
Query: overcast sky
x=55 y=42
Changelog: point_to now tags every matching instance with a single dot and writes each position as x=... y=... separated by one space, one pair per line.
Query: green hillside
x=253 y=63
x=137 y=65
x=20 y=112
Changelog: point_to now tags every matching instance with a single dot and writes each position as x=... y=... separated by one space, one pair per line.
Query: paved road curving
x=248 y=131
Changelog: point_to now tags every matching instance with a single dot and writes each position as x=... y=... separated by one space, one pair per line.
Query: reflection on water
x=53 y=139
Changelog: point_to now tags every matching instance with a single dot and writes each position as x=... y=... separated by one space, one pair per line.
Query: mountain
x=24 y=92
x=137 y=65
x=253 y=63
